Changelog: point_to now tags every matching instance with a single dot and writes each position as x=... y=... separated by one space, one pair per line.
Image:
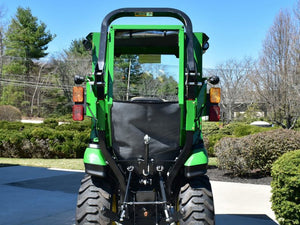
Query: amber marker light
x=77 y=94
x=215 y=95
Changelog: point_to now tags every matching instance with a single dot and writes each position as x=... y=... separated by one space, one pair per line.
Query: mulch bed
x=216 y=174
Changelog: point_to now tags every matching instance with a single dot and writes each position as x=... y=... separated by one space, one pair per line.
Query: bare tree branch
x=235 y=85
x=277 y=79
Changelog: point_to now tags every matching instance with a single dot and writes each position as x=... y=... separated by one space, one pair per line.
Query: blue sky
x=236 y=28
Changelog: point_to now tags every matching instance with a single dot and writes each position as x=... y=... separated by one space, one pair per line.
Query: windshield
x=148 y=76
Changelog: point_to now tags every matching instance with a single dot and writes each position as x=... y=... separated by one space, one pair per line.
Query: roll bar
x=147 y=12
x=99 y=78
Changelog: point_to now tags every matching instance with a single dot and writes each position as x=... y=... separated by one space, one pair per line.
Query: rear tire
x=94 y=194
x=196 y=202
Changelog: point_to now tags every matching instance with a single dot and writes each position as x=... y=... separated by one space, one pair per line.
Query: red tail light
x=214 y=113
x=78 y=112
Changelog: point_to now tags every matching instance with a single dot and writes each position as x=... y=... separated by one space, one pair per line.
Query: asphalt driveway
x=40 y=196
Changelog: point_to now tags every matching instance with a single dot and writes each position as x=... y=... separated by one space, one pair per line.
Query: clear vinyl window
x=146 y=76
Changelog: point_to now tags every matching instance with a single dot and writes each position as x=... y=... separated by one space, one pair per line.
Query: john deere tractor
x=146 y=161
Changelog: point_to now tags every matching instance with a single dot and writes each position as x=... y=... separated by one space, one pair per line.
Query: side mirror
x=205 y=47
x=213 y=80
x=79 y=79
x=87 y=45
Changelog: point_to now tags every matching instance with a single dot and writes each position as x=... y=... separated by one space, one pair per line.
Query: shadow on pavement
x=7 y=164
x=243 y=219
x=65 y=183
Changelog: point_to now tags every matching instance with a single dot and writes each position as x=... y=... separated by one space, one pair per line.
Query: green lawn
x=213 y=161
x=73 y=164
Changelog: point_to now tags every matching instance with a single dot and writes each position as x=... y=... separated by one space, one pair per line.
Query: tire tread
x=93 y=195
x=196 y=201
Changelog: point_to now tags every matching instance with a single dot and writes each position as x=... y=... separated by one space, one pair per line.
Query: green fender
x=198 y=157
x=94 y=156
x=196 y=165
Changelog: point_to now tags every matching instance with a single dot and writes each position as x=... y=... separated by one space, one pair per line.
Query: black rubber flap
x=132 y=121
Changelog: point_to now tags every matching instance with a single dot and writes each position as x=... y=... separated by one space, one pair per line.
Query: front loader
x=146 y=161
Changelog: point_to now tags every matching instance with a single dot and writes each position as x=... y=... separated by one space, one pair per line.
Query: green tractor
x=146 y=161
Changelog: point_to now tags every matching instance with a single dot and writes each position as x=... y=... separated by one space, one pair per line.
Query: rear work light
x=78 y=112
x=214 y=113
x=78 y=94
x=215 y=95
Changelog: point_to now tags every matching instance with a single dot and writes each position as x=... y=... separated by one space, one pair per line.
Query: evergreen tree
x=126 y=69
x=77 y=49
x=26 y=39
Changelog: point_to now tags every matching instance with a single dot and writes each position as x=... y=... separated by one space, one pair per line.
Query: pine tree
x=26 y=39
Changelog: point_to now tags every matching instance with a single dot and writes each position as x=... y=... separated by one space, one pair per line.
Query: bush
x=52 y=123
x=6 y=125
x=10 y=113
x=286 y=188
x=255 y=153
x=46 y=140
x=214 y=132
x=210 y=131
x=209 y=128
x=267 y=147
x=231 y=154
x=212 y=140
x=246 y=129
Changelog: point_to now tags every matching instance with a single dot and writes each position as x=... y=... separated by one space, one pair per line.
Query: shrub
x=286 y=188
x=231 y=155
x=209 y=128
x=246 y=129
x=206 y=143
x=212 y=140
x=47 y=140
x=267 y=146
x=10 y=113
x=229 y=128
x=52 y=123
x=255 y=153
x=210 y=131
x=214 y=132
x=11 y=125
